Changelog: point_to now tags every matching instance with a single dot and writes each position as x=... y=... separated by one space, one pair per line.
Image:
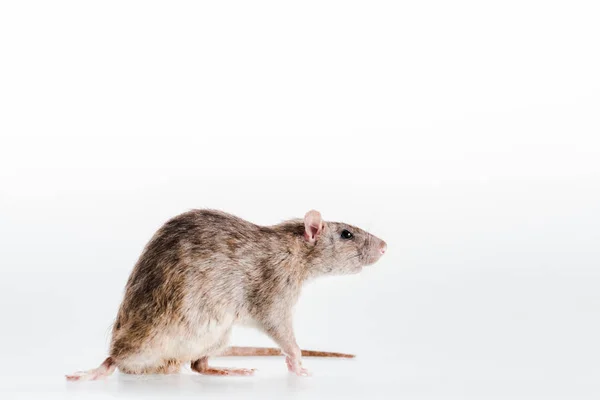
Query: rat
x=205 y=271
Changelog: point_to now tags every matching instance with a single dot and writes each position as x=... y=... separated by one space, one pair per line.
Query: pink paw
x=295 y=366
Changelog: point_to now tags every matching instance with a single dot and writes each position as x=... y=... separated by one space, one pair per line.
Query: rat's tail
x=104 y=370
x=270 y=351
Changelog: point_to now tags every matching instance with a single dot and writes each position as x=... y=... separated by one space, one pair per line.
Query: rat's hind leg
x=201 y=366
x=169 y=366
x=145 y=365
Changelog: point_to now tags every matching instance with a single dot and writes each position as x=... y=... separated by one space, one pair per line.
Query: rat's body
x=206 y=270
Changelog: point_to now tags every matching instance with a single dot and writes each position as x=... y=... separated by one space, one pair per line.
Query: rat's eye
x=346 y=234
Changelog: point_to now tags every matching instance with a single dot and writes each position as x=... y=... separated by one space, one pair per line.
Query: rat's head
x=339 y=248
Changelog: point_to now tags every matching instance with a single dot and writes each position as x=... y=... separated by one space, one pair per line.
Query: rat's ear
x=313 y=226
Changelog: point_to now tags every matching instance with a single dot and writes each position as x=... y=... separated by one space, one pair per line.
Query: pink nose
x=382 y=247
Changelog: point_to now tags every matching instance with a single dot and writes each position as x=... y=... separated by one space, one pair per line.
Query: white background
x=465 y=134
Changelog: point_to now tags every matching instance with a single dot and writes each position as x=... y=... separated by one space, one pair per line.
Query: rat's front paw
x=295 y=366
x=302 y=372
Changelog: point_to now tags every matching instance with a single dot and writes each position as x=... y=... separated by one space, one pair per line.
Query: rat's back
x=184 y=293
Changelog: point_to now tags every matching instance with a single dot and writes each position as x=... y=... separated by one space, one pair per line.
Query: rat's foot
x=104 y=370
x=227 y=371
x=90 y=375
x=201 y=367
x=295 y=366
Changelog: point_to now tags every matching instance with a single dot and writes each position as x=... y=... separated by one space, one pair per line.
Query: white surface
x=465 y=134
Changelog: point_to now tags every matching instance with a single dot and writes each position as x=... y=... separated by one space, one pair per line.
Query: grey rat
x=205 y=271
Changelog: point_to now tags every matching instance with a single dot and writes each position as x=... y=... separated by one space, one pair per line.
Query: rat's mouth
x=368 y=258
x=371 y=259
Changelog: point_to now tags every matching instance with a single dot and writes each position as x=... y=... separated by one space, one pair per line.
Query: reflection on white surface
x=332 y=379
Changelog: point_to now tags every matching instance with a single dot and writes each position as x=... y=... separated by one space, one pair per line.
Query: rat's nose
x=382 y=247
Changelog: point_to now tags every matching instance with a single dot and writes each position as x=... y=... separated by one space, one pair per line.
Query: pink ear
x=313 y=226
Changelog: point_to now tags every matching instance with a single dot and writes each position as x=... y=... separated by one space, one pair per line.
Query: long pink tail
x=104 y=370
x=235 y=351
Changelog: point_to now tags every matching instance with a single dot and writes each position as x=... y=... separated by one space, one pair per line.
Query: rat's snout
x=382 y=247
x=376 y=249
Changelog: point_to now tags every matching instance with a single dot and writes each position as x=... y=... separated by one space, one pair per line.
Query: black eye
x=346 y=234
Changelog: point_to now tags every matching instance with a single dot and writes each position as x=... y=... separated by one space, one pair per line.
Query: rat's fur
x=206 y=270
